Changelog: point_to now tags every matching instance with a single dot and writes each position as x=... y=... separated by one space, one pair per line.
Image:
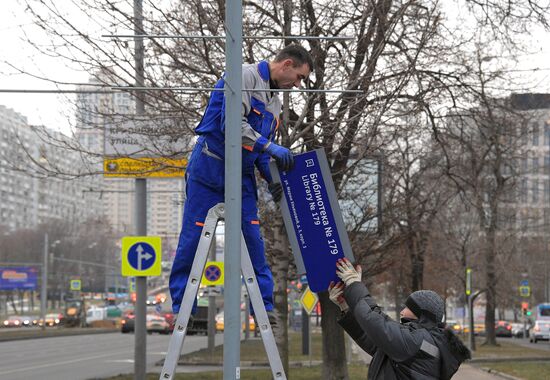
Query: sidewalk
x=465 y=372
x=469 y=372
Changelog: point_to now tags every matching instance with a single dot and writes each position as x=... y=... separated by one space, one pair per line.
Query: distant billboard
x=12 y=278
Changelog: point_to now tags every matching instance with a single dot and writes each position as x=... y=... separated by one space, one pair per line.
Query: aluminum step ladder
x=215 y=214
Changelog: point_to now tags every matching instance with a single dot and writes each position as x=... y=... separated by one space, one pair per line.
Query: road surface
x=83 y=357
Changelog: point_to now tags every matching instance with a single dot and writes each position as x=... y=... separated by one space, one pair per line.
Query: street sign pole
x=233 y=183
x=44 y=288
x=140 y=347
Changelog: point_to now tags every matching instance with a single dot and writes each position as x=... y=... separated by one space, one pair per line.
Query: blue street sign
x=212 y=273
x=524 y=282
x=303 y=279
x=141 y=256
x=313 y=218
x=24 y=278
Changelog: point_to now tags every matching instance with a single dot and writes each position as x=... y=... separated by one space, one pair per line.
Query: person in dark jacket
x=417 y=348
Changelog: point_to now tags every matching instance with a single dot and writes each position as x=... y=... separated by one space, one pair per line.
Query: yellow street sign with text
x=157 y=167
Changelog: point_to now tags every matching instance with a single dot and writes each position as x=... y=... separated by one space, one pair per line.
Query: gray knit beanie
x=427 y=303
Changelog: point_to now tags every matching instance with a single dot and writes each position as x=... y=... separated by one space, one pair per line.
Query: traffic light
x=525 y=308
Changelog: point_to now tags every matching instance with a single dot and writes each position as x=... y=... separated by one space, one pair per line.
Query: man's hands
x=282 y=155
x=276 y=190
x=347 y=273
x=336 y=295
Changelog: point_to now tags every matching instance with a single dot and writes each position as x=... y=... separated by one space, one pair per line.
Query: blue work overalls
x=205 y=189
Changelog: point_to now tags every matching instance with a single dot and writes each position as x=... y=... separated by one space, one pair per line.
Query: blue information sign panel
x=18 y=278
x=313 y=218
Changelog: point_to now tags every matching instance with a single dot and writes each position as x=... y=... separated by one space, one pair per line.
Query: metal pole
x=246 y=317
x=140 y=348
x=305 y=332
x=233 y=198
x=44 y=289
x=211 y=327
x=471 y=322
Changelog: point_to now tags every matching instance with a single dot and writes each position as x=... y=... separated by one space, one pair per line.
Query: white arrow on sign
x=142 y=256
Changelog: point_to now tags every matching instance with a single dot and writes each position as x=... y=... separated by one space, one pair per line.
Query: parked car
x=13 y=321
x=517 y=330
x=503 y=329
x=157 y=323
x=539 y=331
x=454 y=325
x=479 y=329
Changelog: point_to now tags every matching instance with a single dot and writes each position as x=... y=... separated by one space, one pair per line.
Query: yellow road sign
x=141 y=256
x=76 y=285
x=213 y=273
x=144 y=167
x=309 y=300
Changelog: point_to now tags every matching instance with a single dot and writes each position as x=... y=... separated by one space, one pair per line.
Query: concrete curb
x=510 y=359
x=499 y=374
x=37 y=334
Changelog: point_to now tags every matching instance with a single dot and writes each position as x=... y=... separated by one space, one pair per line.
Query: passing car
x=53 y=319
x=503 y=329
x=539 y=331
x=127 y=322
x=26 y=321
x=157 y=323
x=170 y=318
x=13 y=321
x=220 y=325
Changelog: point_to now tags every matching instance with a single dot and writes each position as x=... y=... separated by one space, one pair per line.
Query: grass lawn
x=523 y=370
x=356 y=372
x=253 y=350
x=507 y=349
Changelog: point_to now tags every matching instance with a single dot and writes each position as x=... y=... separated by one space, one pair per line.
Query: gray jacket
x=418 y=349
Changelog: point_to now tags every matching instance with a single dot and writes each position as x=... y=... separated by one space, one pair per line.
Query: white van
x=95 y=314
x=539 y=331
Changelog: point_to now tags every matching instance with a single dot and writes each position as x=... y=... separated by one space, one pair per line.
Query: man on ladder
x=205 y=170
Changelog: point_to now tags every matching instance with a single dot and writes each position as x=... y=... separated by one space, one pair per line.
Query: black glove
x=276 y=190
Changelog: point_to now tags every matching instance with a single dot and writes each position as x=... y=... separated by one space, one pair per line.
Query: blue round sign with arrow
x=141 y=256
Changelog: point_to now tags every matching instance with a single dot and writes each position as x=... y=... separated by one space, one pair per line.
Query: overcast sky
x=54 y=111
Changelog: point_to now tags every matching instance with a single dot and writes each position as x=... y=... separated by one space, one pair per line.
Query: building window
x=536 y=135
x=535 y=191
x=523 y=191
x=547 y=191
x=546 y=134
x=535 y=163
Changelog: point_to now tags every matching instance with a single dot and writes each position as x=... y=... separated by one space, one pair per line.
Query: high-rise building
x=33 y=175
x=164 y=196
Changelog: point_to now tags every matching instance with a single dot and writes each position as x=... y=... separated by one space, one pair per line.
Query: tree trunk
x=280 y=269
x=490 y=337
x=334 y=352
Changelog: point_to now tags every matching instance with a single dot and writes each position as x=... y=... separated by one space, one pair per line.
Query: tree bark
x=334 y=352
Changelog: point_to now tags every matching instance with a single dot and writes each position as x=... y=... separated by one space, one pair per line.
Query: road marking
x=120 y=361
x=54 y=364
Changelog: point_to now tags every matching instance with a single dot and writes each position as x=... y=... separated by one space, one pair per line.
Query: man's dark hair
x=297 y=53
